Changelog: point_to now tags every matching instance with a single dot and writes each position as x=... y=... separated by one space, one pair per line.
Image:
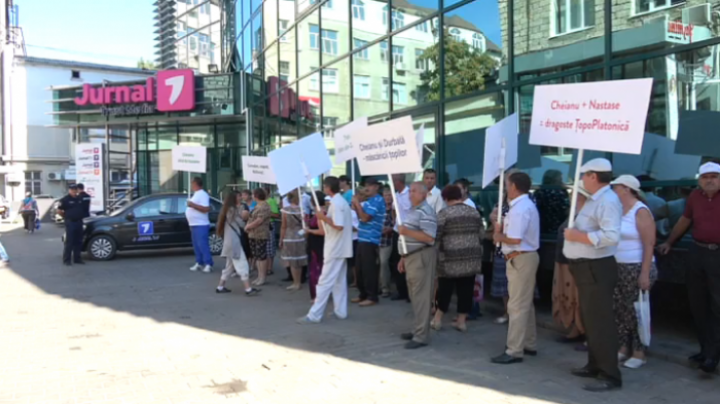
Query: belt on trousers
x=416 y=251
x=711 y=247
x=515 y=254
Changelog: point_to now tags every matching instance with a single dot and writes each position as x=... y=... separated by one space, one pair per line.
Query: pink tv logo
x=176 y=90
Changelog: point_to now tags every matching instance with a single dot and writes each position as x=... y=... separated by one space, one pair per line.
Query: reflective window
x=358 y=10
x=396 y=18
x=156 y=207
x=362 y=86
x=328 y=40
x=573 y=15
x=363 y=54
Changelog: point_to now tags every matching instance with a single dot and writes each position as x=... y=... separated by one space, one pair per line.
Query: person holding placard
x=590 y=247
x=371 y=214
x=520 y=240
x=199 y=222
x=434 y=199
x=702 y=212
x=402 y=195
x=419 y=262
x=337 y=225
x=636 y=267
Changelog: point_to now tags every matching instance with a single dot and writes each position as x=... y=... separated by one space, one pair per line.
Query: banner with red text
x=605 y=116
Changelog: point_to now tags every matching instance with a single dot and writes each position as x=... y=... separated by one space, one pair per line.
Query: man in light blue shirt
x=372 y=216
x=346 y=188
x=520 y=239
x=590 y=247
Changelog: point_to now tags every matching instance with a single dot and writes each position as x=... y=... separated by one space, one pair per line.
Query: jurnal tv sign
x=175 y=92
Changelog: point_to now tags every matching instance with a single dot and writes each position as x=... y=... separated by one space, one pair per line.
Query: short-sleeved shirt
x=194 y=216
x=705 y=215
x=371 y=231
x=338 y=243
x=348 y=195
x=522 y=223
x=262 y=212
x=274 y=208
x=435 y=200
x=420 y=218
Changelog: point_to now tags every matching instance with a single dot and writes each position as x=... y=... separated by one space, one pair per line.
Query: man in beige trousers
x=520 y=238
x=418 y=262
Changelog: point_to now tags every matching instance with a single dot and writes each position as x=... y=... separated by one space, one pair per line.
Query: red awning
x=315 y=101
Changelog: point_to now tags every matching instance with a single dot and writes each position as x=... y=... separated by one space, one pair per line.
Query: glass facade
x=459 y=66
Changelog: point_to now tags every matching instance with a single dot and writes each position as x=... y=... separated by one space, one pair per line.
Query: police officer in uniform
x=85 y=197
x=71 y=208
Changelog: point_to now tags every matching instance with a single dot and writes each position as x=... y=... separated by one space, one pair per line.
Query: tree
x=466 y=69
x=146 y=64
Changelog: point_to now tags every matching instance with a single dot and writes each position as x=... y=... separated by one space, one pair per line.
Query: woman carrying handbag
x=230 y=227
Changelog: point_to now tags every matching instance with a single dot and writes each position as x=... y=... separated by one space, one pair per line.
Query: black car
x=151 y=222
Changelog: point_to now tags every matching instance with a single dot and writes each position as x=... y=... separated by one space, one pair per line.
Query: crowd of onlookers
x=430 y=246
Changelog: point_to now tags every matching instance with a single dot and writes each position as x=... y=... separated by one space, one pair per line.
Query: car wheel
x=102 y=248
x=216 y=244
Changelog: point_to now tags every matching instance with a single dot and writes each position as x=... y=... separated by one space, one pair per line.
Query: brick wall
x=533 y=25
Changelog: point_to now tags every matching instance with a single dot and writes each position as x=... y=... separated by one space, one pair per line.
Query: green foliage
x=146 y=64
x=466 y=69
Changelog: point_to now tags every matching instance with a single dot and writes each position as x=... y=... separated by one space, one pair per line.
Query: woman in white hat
x=636 y=267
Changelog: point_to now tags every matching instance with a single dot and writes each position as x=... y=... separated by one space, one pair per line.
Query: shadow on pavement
x=158 y=285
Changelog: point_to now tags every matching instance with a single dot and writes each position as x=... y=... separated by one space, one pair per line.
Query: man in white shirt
x=197 y=216
x=337 y=226
x=520 y=238
x=402 y=195
x=434 y=197
x=464 y=185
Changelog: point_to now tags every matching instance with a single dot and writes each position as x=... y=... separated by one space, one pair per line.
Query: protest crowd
x=430 y=247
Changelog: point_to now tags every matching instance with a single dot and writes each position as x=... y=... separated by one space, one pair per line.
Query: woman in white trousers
x=230 y=223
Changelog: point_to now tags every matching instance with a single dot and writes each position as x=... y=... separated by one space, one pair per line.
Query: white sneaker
x=634 y=363
x=195 y=267
x=207 y=269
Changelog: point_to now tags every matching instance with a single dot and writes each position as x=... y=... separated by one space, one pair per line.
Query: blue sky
x=120 y=32
x=116 y=32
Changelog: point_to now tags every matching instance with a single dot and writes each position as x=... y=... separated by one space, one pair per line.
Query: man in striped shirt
x=372 y=216
x=418 y=262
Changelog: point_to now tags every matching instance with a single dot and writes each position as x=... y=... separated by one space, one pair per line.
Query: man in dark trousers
x=590 y=246
x=85 y=198
x=71 y=208
x=702 y=212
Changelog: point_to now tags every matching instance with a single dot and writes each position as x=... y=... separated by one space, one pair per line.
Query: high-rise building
x=188 y=34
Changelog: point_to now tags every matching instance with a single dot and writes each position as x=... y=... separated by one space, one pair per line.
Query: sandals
x=437 y=326
x=460 y=327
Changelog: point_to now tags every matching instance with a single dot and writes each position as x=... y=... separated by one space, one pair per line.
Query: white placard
x=299 y=162
x=492 y=163
x=605 y=116
x=387 y=148
x=192 y=159
x=344 y=150
x=420 y=141
x=90 y=171
x=257 y=169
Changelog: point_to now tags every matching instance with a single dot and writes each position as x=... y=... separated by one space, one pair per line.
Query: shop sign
x=174 y=91
x=679 y=32
x=89 y=171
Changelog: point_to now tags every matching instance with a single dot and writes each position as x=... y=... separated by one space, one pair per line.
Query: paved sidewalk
x=143 y=329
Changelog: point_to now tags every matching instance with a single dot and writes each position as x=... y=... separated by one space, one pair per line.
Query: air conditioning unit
x=55 y=176
x=697 y=15
x=399 y=66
